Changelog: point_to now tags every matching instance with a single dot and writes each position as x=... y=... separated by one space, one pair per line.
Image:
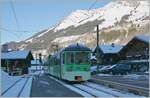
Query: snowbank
x=137 y=77
x=104 y=75
x=93 y=68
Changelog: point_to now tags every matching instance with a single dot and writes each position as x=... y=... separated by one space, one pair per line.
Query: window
x=63 y=58
x=70 y=58
x=82 y=58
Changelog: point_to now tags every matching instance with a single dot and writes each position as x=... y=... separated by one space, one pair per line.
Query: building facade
x=16 y=62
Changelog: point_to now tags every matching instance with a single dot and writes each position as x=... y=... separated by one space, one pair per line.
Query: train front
x=76 y=63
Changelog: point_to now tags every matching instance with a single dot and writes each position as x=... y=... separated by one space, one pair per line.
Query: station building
x=136 y=53
x=16 y=62
x=108 y=54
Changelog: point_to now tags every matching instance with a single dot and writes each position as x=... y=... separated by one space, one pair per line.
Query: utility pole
x=36 y=61
x=40 y=61
x=97 y=47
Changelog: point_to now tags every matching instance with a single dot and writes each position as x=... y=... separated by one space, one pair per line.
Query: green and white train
x=71 y=63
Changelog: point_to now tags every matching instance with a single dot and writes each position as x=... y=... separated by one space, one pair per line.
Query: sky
x=21 y=19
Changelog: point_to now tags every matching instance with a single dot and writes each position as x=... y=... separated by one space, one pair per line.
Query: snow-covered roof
x=93 y=57
x=143 y=38
x=110 y=48
x=15 y=55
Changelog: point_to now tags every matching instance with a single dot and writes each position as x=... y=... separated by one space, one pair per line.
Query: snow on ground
x=13 y=92
x=36 y=70
x=112 y=91
x=45 y=32
x=29 y=40
x=104 y=74
x=93 y=68
x=105 y=67
x=73 y=19
x=66 y=39
x=140 y=13
x=137 y=77
x=7 y=81
x=94 y=92
x=113 y=13
x=27 y=88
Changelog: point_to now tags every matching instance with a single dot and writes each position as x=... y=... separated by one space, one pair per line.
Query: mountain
x=119 y=21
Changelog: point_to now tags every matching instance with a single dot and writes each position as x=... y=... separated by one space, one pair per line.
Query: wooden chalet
x=136 y=52
x=108 y=54
x=16 y=62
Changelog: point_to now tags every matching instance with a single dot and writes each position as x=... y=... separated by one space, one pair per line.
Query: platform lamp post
x=40 y=60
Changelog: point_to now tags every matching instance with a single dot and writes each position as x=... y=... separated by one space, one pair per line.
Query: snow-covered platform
x=15 y=86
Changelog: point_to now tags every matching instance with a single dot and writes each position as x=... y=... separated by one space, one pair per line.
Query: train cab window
x=70 y=58
x=82 y=58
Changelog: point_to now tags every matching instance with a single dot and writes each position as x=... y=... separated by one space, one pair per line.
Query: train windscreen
x=82 y=58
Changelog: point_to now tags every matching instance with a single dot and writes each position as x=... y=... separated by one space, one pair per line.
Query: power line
x=14 y=34
x=13 y=10
x=11 y=30
x=93 y=4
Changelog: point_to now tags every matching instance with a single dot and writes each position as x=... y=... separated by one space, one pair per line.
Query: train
x=71 y=63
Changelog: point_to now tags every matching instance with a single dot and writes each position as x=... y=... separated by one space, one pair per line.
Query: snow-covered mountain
x=112 y=13
x=118 y=21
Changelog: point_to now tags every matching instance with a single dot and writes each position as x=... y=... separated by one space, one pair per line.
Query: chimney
x=113 y=45
x=4 y=48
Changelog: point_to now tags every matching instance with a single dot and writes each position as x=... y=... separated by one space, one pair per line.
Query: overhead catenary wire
x=93 y=5
x=14 y=13
x=12 y=30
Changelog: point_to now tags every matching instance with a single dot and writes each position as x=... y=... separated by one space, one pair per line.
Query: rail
x=21 y=89
x=84 y=91
x=11 y=86
x=130 y=88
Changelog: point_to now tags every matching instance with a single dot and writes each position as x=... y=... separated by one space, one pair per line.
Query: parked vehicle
x=119 y=69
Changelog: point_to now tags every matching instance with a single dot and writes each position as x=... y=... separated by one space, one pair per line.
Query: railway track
x=20 y=92
x=8 y=91
x=92 y=95
x=82 y=89
x=126 y=87
x=11 y=86
x=99 y=89
x=93 y=91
